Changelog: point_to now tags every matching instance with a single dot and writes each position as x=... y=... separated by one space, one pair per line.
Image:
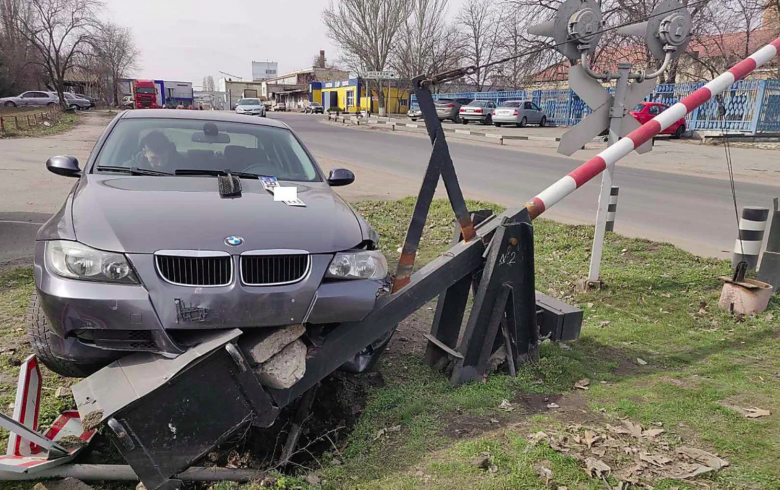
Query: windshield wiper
x=196 y=171
x=132 y=170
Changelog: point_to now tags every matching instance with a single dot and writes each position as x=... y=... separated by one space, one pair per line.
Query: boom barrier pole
x=607 y=158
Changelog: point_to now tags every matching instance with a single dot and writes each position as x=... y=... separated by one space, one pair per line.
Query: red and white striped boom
x=607 y=158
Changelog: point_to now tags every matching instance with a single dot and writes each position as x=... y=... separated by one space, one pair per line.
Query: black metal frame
x=493 y=261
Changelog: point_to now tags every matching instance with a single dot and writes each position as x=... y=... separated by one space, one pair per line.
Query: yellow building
x=350 y=96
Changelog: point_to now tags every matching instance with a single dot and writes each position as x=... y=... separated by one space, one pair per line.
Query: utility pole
x=576 y=30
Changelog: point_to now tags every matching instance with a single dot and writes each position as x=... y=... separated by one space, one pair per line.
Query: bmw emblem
x=233 y=241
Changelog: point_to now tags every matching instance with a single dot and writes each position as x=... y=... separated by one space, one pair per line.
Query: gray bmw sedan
x=184 y=221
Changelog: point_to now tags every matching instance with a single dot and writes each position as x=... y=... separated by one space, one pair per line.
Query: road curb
x=357 y=121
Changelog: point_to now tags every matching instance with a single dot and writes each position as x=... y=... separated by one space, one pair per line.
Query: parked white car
x=520 y=113
x=32 y=98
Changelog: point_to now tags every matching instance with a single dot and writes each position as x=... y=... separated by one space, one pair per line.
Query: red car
x=645 y=111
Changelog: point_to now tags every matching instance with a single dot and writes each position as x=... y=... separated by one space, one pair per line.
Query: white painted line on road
x=20 y=222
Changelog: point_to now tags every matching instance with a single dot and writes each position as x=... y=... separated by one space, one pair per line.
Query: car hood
x=140 y=214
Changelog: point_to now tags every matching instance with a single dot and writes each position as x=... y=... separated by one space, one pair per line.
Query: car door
x=39 y=99
x=537 y=113
x=26 y=98
x=528 y=113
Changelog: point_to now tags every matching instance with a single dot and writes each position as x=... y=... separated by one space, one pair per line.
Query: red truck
x=145 y=94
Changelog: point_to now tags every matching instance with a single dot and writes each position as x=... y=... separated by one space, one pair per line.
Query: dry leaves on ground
x=754 y=413
x=634 y=455
x=506 y=406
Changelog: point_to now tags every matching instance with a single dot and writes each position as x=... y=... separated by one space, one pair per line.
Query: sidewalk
x=686 y=157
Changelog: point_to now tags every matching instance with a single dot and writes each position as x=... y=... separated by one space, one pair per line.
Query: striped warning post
x=751 y=235
x=607 y=158
x=612 y=209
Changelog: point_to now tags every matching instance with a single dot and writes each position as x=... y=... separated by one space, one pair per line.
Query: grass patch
x=659 y=305
x=23 y=122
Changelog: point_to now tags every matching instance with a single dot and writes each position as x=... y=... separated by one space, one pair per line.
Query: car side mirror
x=66 y=166
x=340 y=176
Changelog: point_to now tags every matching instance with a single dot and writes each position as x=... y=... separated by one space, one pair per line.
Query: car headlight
x=78 y=261
x=358 y=265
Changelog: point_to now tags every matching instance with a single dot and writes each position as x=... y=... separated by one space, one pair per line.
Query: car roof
x=217 y=116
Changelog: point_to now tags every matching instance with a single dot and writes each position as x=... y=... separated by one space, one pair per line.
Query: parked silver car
x=75 y=103
x=519 y=113
x=414 y=113
x=251 y=107
x=478 y=110
x=33 y=98
x=450 y=108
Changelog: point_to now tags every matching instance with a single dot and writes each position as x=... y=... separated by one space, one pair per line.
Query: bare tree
x=60 y=31
x=366 y=31
x=481 y=22
x=18 y=70
x=426 y=44
x=116 y=52
x=208 y=84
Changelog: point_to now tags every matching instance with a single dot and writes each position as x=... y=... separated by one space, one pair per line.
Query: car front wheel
x=543 y=122
x=9 y=104
x=41 y=339
x=50 y=104
x=523 y=122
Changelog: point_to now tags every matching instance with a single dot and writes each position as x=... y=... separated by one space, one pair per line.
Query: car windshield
x=315 y=104
x=512 y=103
x=638 y=108
x=168 y=145
x=144 y=90
x=478 y=103
x=249 y=102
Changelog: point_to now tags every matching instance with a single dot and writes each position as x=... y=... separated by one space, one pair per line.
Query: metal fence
x=752 y=106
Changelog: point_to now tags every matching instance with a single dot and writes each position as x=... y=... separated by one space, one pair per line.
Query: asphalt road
x=694 y=213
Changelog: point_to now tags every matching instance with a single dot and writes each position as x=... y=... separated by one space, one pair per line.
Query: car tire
x=488 y=120
x=414 y=119
x=543 y=122
x=456 y=119
x=464 y=121
x=50 y=104
x=679 y=132
x=523 y=122
x=498 y=125
x=9 y=104
x=40 y=335
x=74 y=107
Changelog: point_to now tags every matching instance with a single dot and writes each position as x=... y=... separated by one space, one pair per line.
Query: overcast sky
x=185 y=40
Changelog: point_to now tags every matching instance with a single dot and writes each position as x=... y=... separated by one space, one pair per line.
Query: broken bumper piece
x=164 y=414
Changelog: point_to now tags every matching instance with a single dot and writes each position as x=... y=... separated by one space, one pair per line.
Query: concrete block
x=261 y=345
x=284 y=369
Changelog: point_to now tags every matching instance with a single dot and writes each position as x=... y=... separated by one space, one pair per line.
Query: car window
x=239 y=147
x=638 y=108
x=145 y=90
x=654 y=109
x=479 y=103
x=511 y=103
x=249 y=102
x=528 y=106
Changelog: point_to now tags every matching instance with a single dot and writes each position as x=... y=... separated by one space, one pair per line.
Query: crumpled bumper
x=95 y=320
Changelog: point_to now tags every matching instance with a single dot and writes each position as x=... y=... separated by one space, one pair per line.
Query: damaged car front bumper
x=97 y=321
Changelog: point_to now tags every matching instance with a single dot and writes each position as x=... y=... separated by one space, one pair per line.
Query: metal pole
x=110 y=472
x=615 y=119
